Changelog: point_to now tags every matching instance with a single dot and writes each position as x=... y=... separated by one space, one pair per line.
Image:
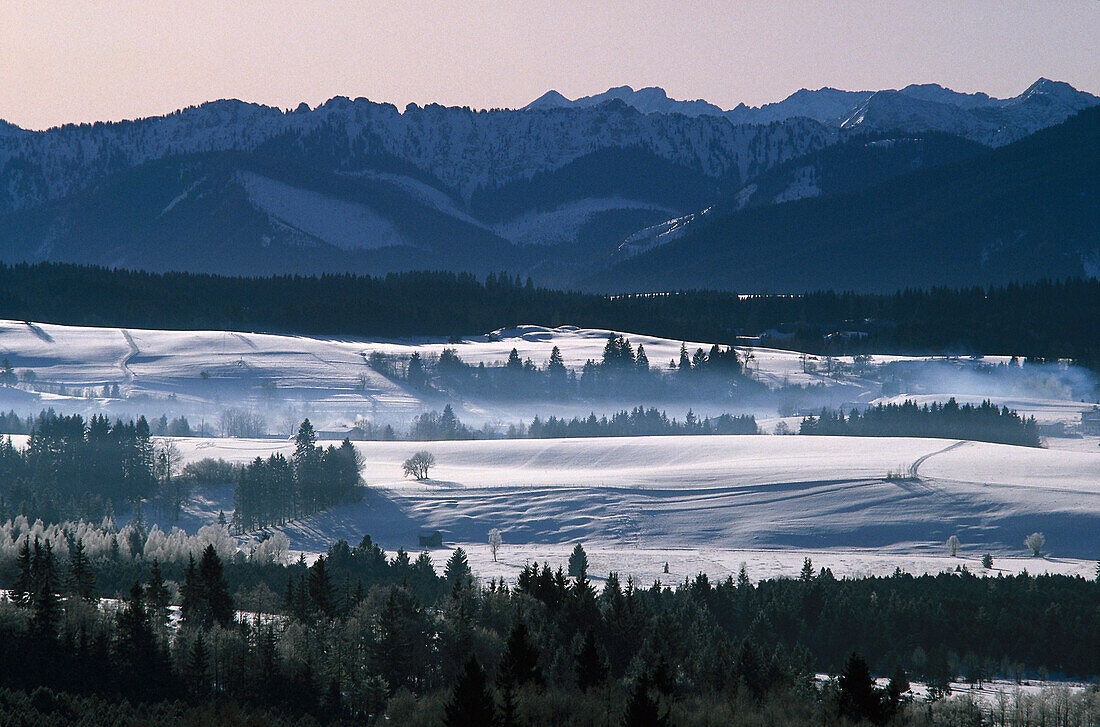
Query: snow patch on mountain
x=566 y=223
x=658 y=235
x=345 y=225
x=803 y=185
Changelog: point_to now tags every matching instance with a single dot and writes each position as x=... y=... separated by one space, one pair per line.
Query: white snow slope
x=719 y=493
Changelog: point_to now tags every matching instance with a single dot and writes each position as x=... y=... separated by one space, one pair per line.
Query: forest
x=622 y=372
x=1039 y=320
x=986 y=422
x=363 y=637
x=72 y=469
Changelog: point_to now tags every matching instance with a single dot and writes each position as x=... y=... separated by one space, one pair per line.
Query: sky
x=74 y=60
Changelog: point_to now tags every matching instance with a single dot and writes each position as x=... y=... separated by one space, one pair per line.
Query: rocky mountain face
x=553 y=190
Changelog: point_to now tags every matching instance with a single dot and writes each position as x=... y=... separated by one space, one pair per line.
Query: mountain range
x=597 y=192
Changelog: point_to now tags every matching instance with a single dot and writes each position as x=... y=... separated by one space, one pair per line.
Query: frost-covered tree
x=418 y=465
x=7 y=374
x=1035 y=541
x=495 y=541
x=953 y=545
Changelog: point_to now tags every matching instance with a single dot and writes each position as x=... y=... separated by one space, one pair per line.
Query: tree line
x=363 y=637
x=640 y=422
x=275 y=490
x=1039 y=320
x=986 y=422
x=621 y=372
x=75 y=468
x=12 y=423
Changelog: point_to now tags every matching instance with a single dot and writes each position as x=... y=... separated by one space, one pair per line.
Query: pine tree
x=519 y=665
x=216 y=602
x=588 y=666
x=457 y=571
x=807 y=574
x=642 y=709
x=470 y=705
x=24 y=583
x=190 y=595
x=81 y=579
x=156 y=593
x=578 y=562
x=320 y=589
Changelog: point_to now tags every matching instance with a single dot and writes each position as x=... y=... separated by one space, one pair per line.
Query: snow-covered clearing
x=707 y=503
x=285 y=378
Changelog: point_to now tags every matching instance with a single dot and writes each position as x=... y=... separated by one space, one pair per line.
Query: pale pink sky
x=72 y=60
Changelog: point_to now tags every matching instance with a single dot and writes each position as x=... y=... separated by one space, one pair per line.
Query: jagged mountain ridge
x=917 y=107
x=551 y=190
x=1025 y=211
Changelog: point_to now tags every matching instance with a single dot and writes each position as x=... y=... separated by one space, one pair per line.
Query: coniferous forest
x=1040 y=320
x=365 y=637
x=983 y=423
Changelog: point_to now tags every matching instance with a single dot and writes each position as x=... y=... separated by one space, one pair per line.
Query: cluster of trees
x=272 y=491
x=365 y=638
x=1040 y=320
x=75 y=468
x=622 y=371
x=640 y=422
x=12 y=423
x=986 y=422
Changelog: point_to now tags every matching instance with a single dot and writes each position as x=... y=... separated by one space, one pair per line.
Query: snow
x=700 y=503
x=710 y=502
x=200 y=373
x=565 y=223
x=346 y=225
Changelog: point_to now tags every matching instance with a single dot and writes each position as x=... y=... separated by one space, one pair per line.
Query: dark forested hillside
x=1026 y=211
x=1040 y=320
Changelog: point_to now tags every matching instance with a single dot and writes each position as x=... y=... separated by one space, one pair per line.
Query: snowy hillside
x=552 y=189
x=707 y=500
x=200 y=373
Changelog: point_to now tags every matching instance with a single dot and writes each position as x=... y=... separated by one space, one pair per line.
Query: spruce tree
x=642 y=709
x=588 y=666
x=190 y=595
x=457 y=571
x=859 y=698
x=578 y=562
x=197 y=666
x=320 y=589
x=24 y=582
x=81 y=579
x=45 y=601
x=520 y=663
x=216 y=602
x=470 y=705
x=156 y=593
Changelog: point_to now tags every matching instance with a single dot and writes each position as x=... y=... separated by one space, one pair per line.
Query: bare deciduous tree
x=417 y=466
x=953 y=545
x=495 y=541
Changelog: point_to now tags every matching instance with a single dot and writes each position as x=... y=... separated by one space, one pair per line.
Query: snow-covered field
x=699 y=503
x=707 y=504
x=284 y=378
